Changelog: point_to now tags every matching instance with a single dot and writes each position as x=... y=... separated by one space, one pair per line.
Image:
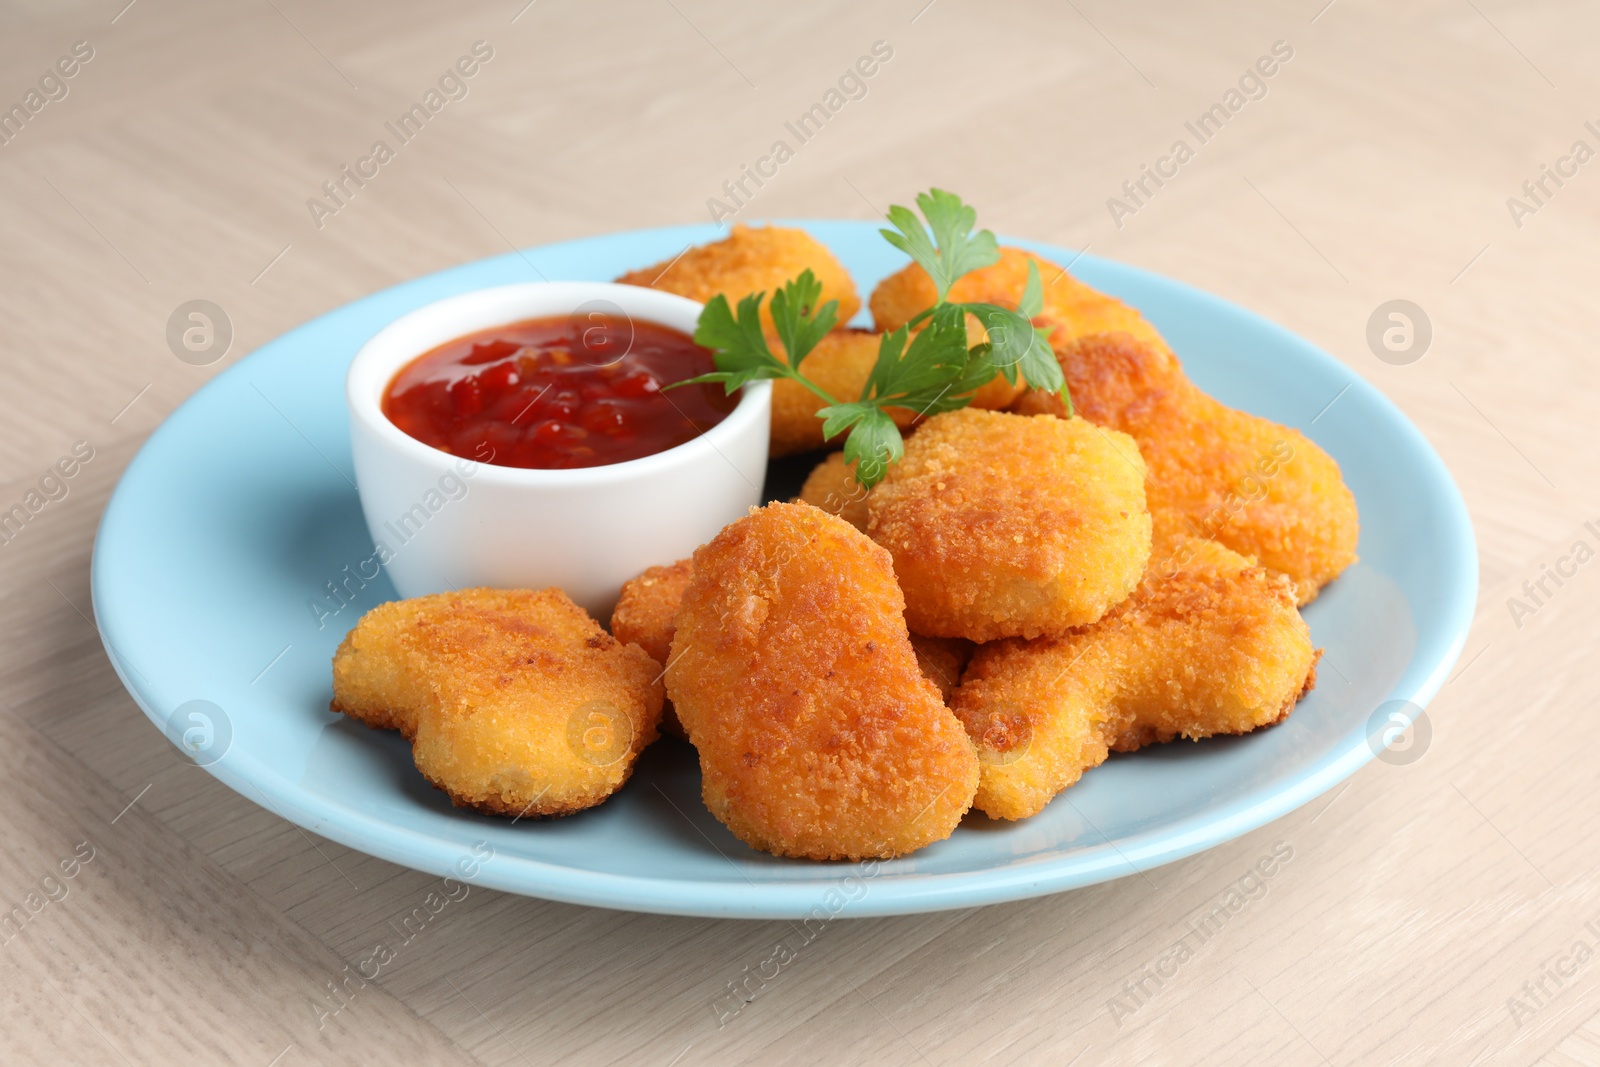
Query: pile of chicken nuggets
x=1029 y=589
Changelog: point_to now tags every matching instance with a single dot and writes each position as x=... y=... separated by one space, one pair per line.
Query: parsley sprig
x=925 y=372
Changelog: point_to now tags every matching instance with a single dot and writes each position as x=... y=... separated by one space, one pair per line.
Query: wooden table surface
x=1442 y=911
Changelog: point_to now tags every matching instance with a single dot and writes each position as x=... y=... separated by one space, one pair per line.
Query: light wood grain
x=1420 y=899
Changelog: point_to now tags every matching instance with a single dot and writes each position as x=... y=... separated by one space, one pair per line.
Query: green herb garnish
x=927 y=372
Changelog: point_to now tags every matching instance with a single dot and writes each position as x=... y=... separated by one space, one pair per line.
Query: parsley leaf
x=1016 y=344
x=1010 y=337
x=800 y=327
x=739 y=345
x=740 y=349
x=954 y=250
x=929 y=375
x=873 y=444
x=1042 y=370
x=1032 y=302
x=1039 y=364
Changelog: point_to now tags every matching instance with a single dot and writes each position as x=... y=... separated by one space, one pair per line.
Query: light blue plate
x=240 y=508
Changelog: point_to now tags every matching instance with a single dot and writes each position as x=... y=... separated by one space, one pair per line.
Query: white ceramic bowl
x=449 y=523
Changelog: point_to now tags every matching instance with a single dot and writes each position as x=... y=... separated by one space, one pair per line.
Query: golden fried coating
x=751 y=260
x=941 y=661
x=840 y=364
x=643 y=616
x=516 y=702
x=1069 y=305
x=832 y=486
x=644 y=611
x=375 y=678
x=1214 y=645
x=794 y=675
x=1261 y=489
x=1006 y=525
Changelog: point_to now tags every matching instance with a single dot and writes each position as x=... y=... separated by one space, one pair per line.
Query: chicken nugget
x=1214 y=645
x=752 y=260
x=516 y=702
x=644 y=617
x=644 y=611
x=832 y=486
x=1262 y=489
x=1004 y=525
x=795 y=677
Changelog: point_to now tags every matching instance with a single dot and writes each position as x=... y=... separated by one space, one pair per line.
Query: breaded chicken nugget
x=840 y=364
x=752 y=260
x=1214 y=645
x=644 y=611
x=1012 y=526
x=1069 y=305
x=516 y=702
x=643 y=616
x=1259 y=488
x=832 y=486
x=793 y=673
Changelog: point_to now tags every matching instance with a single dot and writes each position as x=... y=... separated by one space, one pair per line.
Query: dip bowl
x=442 y=522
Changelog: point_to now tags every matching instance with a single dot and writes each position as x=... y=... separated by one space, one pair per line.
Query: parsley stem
x=790 y=372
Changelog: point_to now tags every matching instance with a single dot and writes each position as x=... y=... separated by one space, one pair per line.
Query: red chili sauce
x=560 y=392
